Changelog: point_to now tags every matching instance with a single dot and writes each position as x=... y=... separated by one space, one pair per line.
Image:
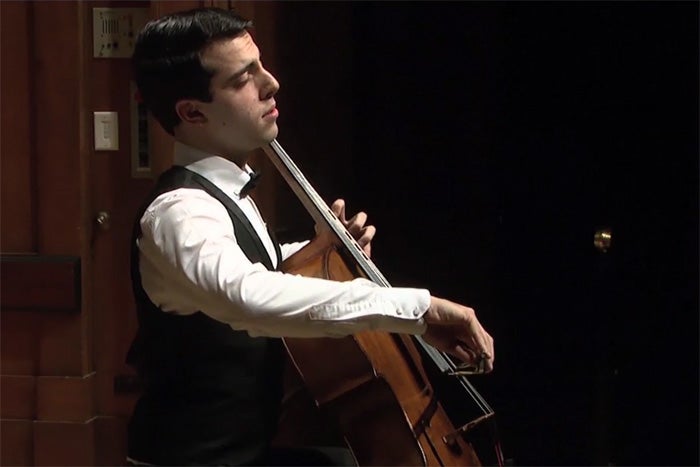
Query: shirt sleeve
x=190 y=261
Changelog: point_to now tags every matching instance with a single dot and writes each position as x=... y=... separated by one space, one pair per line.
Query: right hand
x=453 y=328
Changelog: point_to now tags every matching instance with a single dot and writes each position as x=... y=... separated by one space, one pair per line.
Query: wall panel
x=64 y=443
x=16 y=144
x=57 y=114
x=17 y=397
x=16 y=442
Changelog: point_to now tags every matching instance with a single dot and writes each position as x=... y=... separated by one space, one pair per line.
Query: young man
x=211 y=302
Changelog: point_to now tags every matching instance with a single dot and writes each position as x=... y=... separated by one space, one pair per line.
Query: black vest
x=211 y=394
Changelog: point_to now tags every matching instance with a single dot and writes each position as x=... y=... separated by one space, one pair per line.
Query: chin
x=271 y=134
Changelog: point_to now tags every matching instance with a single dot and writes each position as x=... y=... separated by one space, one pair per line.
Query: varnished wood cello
x=373 y=384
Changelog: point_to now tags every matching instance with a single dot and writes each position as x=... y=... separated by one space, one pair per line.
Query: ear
x=189 y=112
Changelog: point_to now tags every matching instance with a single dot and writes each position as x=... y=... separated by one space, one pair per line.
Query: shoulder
x=182 y=205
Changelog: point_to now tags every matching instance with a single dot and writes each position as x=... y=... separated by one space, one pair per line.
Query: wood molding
x=38 y=282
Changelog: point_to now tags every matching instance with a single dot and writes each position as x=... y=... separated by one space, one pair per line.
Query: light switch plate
x=106 y=131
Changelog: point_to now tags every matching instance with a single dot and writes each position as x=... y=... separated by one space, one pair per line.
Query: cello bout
x=372 y=386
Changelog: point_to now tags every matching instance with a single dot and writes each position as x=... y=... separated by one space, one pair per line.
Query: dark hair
x=166 y=61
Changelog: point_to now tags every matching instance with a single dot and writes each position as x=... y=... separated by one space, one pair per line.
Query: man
x=211 y=303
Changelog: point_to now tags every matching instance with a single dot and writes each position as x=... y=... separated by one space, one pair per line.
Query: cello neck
x=320 y=211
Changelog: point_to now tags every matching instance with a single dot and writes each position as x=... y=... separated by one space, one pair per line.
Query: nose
x=270 y=85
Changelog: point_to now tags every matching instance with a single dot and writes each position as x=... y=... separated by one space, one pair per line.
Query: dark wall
x=315 y=57
x=488 y=142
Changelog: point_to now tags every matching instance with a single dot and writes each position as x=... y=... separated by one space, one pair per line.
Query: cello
x=374 y=385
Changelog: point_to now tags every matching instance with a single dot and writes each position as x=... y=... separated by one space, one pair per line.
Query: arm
x=190 y=261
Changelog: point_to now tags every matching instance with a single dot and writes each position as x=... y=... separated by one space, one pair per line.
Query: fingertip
x=338 y=207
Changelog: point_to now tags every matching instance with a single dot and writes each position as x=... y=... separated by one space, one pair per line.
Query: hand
x=356 y=226
x=454 y=329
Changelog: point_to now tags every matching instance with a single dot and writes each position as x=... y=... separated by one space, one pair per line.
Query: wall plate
x=114 y=31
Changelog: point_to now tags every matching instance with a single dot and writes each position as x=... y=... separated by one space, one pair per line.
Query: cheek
x=236 y=114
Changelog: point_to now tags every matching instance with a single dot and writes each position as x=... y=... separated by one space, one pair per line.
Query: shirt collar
x=220 y=171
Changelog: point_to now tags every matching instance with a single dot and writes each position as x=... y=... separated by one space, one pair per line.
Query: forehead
x=230 y=55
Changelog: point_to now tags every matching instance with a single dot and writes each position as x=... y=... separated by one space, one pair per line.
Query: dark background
x=488 y=142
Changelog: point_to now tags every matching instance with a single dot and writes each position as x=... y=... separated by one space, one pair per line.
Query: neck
x=238 y=158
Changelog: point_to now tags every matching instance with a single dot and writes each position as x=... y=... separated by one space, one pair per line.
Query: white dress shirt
x=190 y=261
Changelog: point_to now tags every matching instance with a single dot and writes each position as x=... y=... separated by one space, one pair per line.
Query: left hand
x=362 y=233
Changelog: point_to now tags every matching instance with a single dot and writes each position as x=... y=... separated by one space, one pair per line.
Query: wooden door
x=46 y=370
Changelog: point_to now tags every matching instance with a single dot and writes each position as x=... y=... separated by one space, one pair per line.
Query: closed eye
x=241 y=81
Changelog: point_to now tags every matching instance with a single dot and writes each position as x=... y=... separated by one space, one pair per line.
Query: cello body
x=372 y=385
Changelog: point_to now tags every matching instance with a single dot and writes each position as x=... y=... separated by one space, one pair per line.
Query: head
x=199 y=73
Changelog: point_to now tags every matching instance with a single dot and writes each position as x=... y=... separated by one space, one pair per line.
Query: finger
x=488 y=348
x=486 y=357
x=356 y=223
x=481 y=351
x=491 y=348
x=488 y=365
x=367 y=234
x=485 y=361
x=356 y=226
x=365 y=240
x=464 y=353
x=478 y=334
x=481 y=362
x=338 y=208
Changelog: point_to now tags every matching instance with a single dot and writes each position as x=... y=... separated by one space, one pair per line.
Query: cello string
x=469 y=387
x=330 y=219
x=475 y=395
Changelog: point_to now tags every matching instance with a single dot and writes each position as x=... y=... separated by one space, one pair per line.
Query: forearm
x=226 y=286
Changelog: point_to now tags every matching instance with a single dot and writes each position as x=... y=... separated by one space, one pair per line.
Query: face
x=242 y=115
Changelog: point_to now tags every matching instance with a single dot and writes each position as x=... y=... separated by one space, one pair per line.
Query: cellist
x=211 y=301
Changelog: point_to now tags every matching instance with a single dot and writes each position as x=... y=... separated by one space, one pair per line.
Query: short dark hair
x=166 y=62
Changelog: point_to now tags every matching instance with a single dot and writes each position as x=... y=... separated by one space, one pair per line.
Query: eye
x=240 y=82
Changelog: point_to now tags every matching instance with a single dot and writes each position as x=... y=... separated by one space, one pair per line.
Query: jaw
x=224 y=144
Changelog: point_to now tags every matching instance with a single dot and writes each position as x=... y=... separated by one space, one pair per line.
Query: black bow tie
x=254 y=177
